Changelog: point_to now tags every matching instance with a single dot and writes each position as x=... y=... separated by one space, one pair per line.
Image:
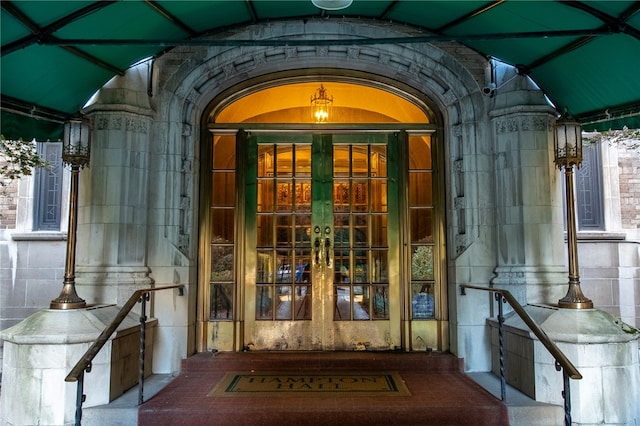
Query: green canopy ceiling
x=585 y=55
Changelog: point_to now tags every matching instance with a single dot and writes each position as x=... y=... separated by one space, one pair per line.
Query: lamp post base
x=68 y=298
x=575 y=299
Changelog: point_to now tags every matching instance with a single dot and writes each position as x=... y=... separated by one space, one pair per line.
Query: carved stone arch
x=189 y=78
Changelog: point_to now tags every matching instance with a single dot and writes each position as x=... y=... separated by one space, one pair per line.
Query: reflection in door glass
x=360 y=233
x=283 y=277
x=222 y=224
x=421 y=228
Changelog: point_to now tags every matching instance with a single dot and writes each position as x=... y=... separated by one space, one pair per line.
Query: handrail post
x=566 y=394
x=79 y=399
x=143 y=335
x=503 y=379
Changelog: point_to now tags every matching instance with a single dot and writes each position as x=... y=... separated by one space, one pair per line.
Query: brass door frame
x=202 y=320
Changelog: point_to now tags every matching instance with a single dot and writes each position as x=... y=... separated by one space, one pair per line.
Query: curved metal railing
x=562 y=362
x=84 y=364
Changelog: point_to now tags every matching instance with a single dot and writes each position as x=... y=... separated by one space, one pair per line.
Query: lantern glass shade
x=567 y=143
x=75 y=146
x=321 y=104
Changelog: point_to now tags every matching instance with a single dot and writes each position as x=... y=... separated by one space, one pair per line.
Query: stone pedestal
x=40 y=351
x=602 y=348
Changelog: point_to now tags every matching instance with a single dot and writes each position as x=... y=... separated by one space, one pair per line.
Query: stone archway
x=186 y=80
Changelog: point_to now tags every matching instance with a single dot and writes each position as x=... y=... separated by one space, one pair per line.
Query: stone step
x=523 y=411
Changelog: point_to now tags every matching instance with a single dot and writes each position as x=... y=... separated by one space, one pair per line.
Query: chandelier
x=321 y=105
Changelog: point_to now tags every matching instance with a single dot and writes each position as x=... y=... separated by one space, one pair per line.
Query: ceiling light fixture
x=332 y=4
x=321 y=105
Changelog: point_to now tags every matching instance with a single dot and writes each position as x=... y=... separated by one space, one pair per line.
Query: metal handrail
x=553 y=349
x=562 y=362
x=84 y=364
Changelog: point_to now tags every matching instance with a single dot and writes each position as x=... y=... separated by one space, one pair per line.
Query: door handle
x=316 y=250
x=327 y=248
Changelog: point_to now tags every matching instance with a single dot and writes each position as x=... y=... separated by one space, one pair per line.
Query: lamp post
x=567 y=153
x=75 y=153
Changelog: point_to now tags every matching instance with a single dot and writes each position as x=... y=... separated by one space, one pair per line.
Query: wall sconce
x=567 y=150
x=75 y=153
x=321 y=104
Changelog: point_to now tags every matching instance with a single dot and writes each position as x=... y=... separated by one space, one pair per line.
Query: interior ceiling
x=291 y=103
x=585 y=55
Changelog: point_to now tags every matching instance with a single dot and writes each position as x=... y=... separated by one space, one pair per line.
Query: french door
x=321 y=242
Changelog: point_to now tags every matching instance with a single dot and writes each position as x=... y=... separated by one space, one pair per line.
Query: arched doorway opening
x=321 y=235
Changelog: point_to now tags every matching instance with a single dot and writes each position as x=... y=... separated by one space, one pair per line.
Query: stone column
x=529 y=221
x=113 y=205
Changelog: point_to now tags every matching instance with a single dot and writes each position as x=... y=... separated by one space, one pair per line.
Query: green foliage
x=422 y=263
x=627 y=138
x=20 y=158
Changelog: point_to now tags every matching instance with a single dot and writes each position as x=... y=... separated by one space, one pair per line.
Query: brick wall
x=8 y=200
x=629 y=167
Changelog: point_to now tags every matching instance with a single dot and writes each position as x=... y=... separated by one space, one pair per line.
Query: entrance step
x=523 y=411
x=440 y=392
x=123 y=411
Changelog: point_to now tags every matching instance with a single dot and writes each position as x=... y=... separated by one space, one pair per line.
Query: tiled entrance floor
x=441 y=394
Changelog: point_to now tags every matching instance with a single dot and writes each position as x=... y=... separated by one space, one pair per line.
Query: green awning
x=17 y=126
x=585 y=55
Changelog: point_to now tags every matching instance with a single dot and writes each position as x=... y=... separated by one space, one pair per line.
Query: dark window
x=589 y=189
x=47 y=192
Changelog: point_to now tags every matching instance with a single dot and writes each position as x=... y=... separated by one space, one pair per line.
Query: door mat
x=312 y=384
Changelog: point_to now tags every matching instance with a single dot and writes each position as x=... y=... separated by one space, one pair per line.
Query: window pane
x=360 y=159
x=340 y=161
x=360 y=196
x=303 y=302
x=265 y=231
x=284 y=231
x=379 y=196
x=421 y=225
x=221 y=263
x=264 y=303
x=284 y=161
x=381 y=302
x=341 y=195
x=283 y=302
x=342 y=296
x=221 y=301
x=380 y=266
x=303 y=195
x=422 y=263
x=303 y=161
x=419 y=152
x=265 y=266
x=224 y=189
x=224 y=152
x=379 y=231
x=265 y=195
x=361 y=300
x=265 y=160
x=378 y=161
x=361 y=230
x=420 y=189
x=422 y=301
x=284 y=196
x=222 y=225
